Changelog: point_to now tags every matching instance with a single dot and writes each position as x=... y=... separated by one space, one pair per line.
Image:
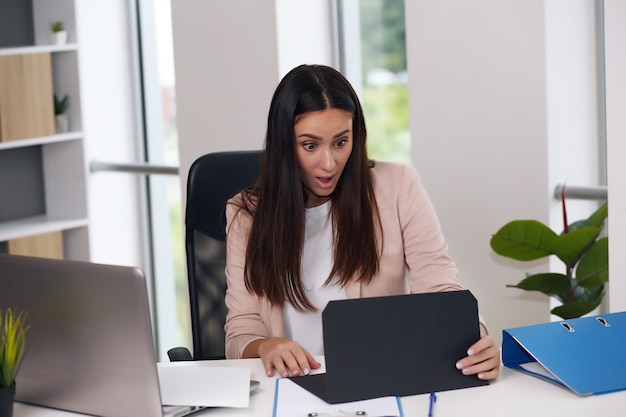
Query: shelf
x=44 y=140
x=35 y=225
x=43 y=175
x=36 y=49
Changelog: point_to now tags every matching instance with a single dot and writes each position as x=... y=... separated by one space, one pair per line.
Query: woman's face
x=323 y=146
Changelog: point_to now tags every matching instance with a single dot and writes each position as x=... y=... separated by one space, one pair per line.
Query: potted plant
x=12 y=345
x=580 y=247
x=59 y=34
x=60 y=117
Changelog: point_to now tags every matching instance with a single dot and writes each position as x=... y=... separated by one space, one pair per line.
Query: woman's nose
x=328 y=159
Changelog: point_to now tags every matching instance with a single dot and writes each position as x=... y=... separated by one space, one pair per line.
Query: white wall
x=573 y=143
x=502 y=110
x=572 y=97
x=305 y=33
x=225 y=55
x=229 y=57
x=615 y=34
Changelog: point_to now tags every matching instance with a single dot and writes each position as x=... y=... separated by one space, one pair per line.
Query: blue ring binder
x=588 y=359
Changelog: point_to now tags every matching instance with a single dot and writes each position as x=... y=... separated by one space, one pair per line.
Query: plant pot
x=61 y=123
x=59 y=38
x=7 y=397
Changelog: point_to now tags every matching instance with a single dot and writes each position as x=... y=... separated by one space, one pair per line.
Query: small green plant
x=60 y=105
x=56 y=26
x=585 y=255
x=12 y=345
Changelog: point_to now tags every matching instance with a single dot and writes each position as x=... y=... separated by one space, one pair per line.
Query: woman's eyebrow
x=312 y=136
x=341 y=133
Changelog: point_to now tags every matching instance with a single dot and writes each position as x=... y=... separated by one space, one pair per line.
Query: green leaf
x=598 y=217
x=523 y=240
x=580 y=250
x=60 y=105
x=570 y=246
x=550 y=283
x=12 y=345
x=595 y=220
x=593 y=267
x=575 y=309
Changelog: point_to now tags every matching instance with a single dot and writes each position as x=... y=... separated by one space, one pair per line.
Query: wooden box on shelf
x=26 y=96
x=45 y=245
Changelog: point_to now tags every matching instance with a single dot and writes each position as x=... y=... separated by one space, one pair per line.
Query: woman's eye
x=341 y=142
x=309 y=146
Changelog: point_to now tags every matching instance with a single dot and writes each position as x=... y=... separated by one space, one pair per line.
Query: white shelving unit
x=59 y=157
x=36 y=49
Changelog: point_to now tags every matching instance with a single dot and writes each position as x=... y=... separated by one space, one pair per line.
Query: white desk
x=513 y=394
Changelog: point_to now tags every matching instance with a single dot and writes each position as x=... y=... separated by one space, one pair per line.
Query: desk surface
x=513 y=394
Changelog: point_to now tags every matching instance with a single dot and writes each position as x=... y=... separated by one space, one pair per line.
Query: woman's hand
x=284 y=355
x=483 y=359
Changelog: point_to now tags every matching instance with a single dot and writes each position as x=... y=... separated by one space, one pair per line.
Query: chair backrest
x=213 y=179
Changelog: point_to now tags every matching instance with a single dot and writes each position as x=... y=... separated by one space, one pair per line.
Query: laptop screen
x=90 y=345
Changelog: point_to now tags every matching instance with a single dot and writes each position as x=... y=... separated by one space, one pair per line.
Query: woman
x=323 y=222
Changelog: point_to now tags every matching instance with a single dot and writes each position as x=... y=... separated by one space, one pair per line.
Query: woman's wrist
x=252 y=349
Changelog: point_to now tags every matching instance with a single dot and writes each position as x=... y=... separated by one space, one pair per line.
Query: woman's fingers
x=287 y=357
x=483 y=359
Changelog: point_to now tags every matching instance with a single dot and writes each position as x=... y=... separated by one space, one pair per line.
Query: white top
x=317 y=260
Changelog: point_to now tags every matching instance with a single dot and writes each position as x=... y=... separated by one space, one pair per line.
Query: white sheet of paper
x=293 y=400
x=538 y=369
x=204 y=386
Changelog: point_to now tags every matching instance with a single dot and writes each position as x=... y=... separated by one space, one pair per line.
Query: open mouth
x=325 y=182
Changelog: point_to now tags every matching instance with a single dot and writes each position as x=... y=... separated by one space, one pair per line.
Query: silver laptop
x=90 y=345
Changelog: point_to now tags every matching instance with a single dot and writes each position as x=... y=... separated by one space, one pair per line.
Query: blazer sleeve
x=243 y=320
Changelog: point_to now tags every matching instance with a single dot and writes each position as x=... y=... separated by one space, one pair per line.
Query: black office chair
x=213 y=179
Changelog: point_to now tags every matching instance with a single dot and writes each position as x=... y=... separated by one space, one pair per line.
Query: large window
x=373 y=56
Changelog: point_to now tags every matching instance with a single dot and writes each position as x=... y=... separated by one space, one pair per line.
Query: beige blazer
x=414 y=257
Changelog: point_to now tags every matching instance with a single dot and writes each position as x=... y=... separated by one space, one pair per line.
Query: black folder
x=395 y=346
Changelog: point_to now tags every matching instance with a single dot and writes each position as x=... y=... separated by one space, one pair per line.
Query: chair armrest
x=179 y=354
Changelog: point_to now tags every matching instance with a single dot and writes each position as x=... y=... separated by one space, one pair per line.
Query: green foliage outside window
x=387 y=117
x=386 y=106
x=383 y=39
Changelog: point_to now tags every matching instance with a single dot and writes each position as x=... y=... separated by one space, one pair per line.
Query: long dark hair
x=277 y=201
